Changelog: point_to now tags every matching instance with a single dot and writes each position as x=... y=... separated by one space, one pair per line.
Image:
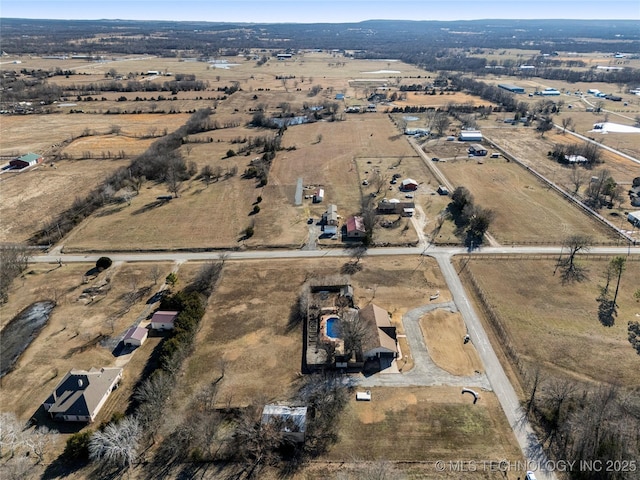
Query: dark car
x=435 y=159
x=310 y=221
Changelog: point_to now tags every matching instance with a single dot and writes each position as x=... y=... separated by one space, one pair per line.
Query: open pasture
x=525 y=209
x=555 y=326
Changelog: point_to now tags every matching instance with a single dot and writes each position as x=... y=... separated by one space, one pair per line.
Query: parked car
x=310 y=221
x=435 y=159
x=408 y=195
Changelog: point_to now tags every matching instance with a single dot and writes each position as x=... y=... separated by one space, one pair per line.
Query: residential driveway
x=424 y=371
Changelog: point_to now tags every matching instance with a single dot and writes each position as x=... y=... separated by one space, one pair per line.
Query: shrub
x=231 y=153
x=77 y=447
x=256 y=209
x=103 y=263
x=171 y=279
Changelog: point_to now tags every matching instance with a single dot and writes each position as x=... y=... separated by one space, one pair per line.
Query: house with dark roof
x=291 y=421
x=163 y=320
x=81 y=394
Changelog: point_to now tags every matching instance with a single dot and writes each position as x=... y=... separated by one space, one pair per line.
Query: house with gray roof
x=81 y=394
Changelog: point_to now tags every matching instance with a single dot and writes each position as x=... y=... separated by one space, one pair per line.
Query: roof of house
x=293 y=418
x=377 y=318
x=81 y=391
x=164 y=316
x=30 y=157
x=355 y=224
x=136 y=333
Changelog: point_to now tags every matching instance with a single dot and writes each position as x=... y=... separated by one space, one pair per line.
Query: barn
x=470 y=136
x=28 y=160
x=409 y=184
x=477 y=150
x=511 y=88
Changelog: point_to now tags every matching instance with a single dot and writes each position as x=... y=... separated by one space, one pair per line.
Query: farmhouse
x=355 y=227
x=511 y=88
x=81 y=394
x=330 y=217
x=135 y=336
x=477 y=150
x=163 y=320
x=291 y=421
x=409 y=184
x=28 y=160
x=381 y=342
x=634 y=218
x=387 y=207
x=470 y=136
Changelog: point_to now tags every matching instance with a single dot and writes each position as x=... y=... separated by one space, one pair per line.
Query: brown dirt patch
x=443 y=333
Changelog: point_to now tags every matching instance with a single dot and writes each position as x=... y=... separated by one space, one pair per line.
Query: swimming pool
x=333 y=327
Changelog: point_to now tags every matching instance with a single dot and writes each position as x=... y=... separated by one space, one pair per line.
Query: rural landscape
x=375 y=250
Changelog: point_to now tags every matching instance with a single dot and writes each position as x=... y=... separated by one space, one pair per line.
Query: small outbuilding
x=477 y=150
x=634 y=218
x=318 y=196
x=163 y=320
x=135 y=336
x=409 y=184
x=290 y=421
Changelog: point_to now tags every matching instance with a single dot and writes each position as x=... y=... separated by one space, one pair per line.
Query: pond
x=21 y=331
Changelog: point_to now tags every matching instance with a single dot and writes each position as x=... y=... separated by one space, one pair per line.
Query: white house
x=81 y=394
x=163 y=320
x=330 y=217
x=135 y=336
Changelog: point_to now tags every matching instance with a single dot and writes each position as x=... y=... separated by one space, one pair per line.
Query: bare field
x=439 y=101
x=32 y=198
x=555 y=326
x=525 y=209
x=443 y=334
x=422 y=424
x=37 y=133
x=70 y=338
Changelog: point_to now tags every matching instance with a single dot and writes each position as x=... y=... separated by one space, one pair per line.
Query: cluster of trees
x=587 y=423
x=259 y=167
x=472 y=221
x=603 y=190
x=14 y=259
x=492 y=93
x=185 y=84
x=590 y=151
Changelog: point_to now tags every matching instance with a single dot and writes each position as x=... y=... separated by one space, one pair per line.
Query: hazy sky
x=308 y=11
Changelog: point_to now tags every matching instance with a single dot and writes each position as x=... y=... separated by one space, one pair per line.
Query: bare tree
x=14 y=259
x=571 y=271
x=39 y=441
x=116 y=445
x=577 y=178
x=155 y=273
x=19 y=467
x=173 y=179
x=354 y=330
x=379 y=181
x=11 y=433
x=566 y=123
x=151 y=396
x=441 y=122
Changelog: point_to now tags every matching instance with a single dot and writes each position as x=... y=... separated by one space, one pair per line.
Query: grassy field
x=525 y=209
x=555 y=326
x=443 y=333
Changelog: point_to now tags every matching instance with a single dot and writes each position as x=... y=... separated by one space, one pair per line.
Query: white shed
x=135 y=336
x=163 y=320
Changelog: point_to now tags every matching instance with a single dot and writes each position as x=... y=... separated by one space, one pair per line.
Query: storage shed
x=409 y=184
x=28 y=160
x=135 y=336
x=163 y=320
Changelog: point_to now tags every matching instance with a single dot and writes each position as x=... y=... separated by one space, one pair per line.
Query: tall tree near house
x=116 y=445
x=577 y=178
x=544 y=125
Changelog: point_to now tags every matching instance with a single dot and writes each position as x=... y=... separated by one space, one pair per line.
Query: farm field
x=555 y=326
x=526 y=211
